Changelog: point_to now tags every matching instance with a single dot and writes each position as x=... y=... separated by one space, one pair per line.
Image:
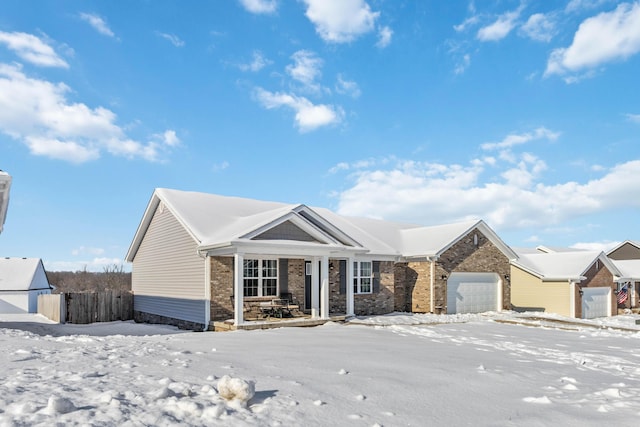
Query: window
x=260 y=277
x=362 y=277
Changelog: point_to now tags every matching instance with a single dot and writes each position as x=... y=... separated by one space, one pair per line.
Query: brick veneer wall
x=597 y=277
x=381 y=302
x=463 y=256
x=221 y=288
x=295 y=283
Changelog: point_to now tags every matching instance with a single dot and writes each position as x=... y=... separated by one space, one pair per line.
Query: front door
x=307 y=284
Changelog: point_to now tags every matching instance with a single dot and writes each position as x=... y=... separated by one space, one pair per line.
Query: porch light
x=581 y=292
x=506 y=277
x=443 y=277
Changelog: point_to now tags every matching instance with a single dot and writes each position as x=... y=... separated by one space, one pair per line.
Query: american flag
x=622 y=295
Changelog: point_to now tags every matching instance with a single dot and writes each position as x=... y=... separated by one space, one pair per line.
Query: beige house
x=201 y=258
x=579 y=284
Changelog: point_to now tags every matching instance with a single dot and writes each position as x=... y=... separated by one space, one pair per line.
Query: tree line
x=113 y=277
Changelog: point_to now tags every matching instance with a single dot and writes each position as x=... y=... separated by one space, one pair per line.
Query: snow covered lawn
x=397 y=370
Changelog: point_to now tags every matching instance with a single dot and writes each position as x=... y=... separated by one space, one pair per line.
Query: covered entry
x=596 y=302
x=473 y=292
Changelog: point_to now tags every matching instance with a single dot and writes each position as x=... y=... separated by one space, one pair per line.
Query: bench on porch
x=267 y=308
x=277 y=307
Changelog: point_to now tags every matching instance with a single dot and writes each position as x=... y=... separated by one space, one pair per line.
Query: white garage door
x=596 y=302
x=472 y=292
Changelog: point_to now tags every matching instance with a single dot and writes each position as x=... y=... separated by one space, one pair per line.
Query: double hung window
x=362 y=277
x=260 y=277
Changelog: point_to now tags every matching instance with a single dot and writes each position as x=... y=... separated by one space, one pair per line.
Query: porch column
x=238 y=289
x=572 y=298
x=350 y=305
x=324 y=287
x=315 y=289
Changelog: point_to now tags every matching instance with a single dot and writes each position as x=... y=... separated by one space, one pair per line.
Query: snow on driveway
x=400 y=370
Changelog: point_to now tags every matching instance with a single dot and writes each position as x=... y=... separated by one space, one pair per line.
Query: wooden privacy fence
x=87 y=307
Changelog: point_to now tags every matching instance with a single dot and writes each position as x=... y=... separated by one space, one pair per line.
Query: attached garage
x=596 y=302
x=473 y=293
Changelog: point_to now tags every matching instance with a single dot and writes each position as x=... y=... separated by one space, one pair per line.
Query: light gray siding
x=168 y=277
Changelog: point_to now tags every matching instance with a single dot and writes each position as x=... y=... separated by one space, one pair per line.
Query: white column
x=238 y=289
x=315 y=291
x=572 y=298
x=500 y=292
x=349 y=272
x=324 y=288
x=432 y=287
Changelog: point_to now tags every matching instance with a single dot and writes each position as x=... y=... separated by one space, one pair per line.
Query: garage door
x=596 y=302
x=472 y=292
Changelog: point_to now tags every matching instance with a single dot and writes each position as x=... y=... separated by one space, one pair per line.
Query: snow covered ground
x=399 y=370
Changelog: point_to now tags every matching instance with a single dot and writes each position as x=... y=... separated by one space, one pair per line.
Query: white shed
x=21 y=281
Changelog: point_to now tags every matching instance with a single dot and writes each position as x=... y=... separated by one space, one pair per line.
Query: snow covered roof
x=215 y=221
x=5 y=185
x=555 y=266
x=22 y=274
x=635 y=243
x=629 y=269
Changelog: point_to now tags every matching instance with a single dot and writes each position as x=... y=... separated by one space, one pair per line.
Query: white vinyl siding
x=168 y=276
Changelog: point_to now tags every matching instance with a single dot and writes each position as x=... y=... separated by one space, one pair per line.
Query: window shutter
x=376 y=276
x=283 y=275
x=343 y=276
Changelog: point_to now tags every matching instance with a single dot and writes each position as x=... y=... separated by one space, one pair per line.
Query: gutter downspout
x=572 y=298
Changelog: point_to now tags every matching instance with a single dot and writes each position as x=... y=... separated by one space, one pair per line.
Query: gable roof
x=561 y=266
x=629 y=269
x=22 y=274
x=216 y=222
x=633 y=244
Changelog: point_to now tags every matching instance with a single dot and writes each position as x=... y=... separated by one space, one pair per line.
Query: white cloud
x=634 y=118
x=605 y=37
x=37 y=113
x=97 y=23
x=219 y=167
x=518 y=139
x=97 y=264
x=306 y=69
x=416 y=192
x=347 y=87
x=308 y=116
x=595 y=246
x=260 y=6
x=500 y=28
x=175 y=40
x=579 y=5
x=87 y=250
x=340 y=21
x=539 y=27
x=469 y=22
x=462 y=64
x=32 y=49
x=258 y=63
x=384 y=37
x=168 y=138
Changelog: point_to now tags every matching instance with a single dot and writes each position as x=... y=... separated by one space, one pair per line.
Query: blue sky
x=524 y=114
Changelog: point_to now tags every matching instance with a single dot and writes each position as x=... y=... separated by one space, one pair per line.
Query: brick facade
x=474 y=253
x=598 y=276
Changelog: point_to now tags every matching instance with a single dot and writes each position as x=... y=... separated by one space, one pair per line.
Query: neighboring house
x=199 y=258
x=21 y=281
x=626 y=257
x=629 y=249
x=579 y=284
x=5 y=186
